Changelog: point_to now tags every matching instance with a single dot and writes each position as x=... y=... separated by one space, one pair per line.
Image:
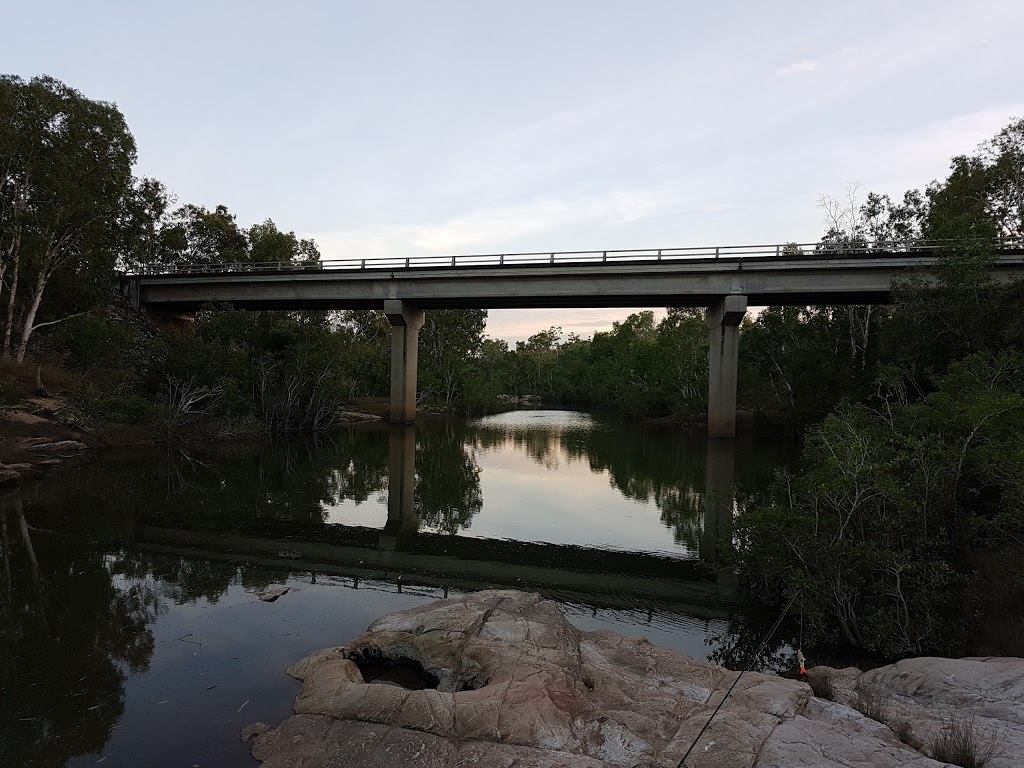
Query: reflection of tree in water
x=645 y=463
x=540 y=443
x=224 y=488
x=448 y=493
x=184 y=580
x=71 y=630
x=642 y=463
x=651 y=466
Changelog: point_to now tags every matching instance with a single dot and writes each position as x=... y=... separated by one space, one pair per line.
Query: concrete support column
x=723 y=319
x=406 y=322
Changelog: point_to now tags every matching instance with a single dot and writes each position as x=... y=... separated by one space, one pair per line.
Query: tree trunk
x=11 y=297
x=30 y=316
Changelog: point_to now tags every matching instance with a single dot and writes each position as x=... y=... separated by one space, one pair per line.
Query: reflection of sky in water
x=547 y=420
x=372 y=513
x=534 y=490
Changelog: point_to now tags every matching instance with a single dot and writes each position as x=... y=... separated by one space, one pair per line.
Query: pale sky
x=400 y=128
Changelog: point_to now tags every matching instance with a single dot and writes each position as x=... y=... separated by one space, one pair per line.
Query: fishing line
x=750 y=660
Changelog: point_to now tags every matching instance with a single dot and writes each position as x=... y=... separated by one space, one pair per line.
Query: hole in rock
x=402 y=671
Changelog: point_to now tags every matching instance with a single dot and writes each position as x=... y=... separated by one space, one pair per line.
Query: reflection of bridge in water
x=597 y=577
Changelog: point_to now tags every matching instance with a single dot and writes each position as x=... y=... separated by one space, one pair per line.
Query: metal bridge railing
x=584 y=258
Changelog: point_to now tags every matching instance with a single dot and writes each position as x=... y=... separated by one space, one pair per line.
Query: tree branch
x=54 y=322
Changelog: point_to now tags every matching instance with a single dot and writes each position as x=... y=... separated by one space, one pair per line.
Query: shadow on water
x=129 y=581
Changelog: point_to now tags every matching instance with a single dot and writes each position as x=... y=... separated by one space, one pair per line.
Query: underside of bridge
x=723 y=319
x=724 y=285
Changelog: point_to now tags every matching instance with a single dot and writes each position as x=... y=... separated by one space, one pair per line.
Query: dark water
x=131 y=631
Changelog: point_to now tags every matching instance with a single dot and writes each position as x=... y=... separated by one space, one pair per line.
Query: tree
x=888 y=499
x=196 y=235
x=67 y=172
x=983 y=197
x=268 y=244
x=451 y=339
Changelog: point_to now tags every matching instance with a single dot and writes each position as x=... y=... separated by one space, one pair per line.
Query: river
x=131 y=626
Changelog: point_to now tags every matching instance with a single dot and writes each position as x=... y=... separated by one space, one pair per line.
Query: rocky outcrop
x=500 y=678
x=31 y=447
x=925 y=698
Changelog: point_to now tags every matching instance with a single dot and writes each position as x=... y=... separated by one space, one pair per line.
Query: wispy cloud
x=797 y=67
x=498 y=228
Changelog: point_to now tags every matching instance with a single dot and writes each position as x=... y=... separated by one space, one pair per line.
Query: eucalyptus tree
x=67 y=163
x=267 y=243
x=449 y=343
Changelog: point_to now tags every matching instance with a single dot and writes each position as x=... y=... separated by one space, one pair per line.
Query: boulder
x=501 y=678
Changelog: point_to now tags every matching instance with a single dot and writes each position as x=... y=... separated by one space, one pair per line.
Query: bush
x=92 y=340
x=963 y=742
x=823 y=684
x=873 y=529
x=872 y=703
x=119 y=407
x=905 y=732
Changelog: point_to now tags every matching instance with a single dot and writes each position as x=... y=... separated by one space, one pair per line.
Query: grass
x=19 y=379
x=963 y=742
x=905 y=732
x=872 y=703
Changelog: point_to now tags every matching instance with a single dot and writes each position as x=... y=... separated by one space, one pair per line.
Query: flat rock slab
x=271 y=595
x=518 y=685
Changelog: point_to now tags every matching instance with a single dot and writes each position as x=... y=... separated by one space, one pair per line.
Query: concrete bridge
x=725 y=279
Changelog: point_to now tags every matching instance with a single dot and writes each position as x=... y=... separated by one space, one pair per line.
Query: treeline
x=72 y=216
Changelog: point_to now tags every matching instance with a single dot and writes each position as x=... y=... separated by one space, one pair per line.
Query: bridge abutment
x=406 y=322
x=723 y=320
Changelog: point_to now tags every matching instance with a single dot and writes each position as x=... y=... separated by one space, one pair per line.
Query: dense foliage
x=911 y=488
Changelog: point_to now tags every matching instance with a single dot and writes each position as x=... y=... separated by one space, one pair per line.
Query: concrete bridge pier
x=406 y=322
x=723 y=319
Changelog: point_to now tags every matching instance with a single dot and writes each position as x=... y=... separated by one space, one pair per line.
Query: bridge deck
x=632 y=279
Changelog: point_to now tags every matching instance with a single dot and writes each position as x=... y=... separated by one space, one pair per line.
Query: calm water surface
x=131 y=632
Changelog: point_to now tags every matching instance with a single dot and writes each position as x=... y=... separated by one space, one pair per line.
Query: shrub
x=963 y=742
x=823 y=684
x=872 y=703
x=905 y=732
x=94 y=340
x=119 y=407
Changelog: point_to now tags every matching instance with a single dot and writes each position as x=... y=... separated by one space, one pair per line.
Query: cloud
x=498 y=229
x=796 y=67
